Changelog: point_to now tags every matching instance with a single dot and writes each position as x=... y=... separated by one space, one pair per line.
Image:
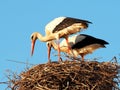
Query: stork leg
x=49 y=50
x=69 y=48
x=82 y=56
x=58 y=44
x=59 y=59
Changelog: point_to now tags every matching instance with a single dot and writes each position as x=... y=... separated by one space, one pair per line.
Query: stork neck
x=45 y=38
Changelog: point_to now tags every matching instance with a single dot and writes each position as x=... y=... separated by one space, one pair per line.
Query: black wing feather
x=88 y=40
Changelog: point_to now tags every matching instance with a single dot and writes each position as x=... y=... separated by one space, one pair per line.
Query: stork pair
x=62 y=27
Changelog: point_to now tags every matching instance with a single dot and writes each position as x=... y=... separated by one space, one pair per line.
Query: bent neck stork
x=60 y=27
x=80 y=45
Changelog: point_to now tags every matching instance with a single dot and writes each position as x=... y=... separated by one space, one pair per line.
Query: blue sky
x=20 y=18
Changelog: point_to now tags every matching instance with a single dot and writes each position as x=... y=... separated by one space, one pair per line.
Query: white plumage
x=51 y=25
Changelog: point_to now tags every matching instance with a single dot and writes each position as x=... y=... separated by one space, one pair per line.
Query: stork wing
x=83 y=40
x=68 y=21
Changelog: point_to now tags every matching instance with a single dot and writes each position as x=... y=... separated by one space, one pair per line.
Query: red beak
x=32 y=47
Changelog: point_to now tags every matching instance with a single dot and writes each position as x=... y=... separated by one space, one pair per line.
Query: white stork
x=80 y=45
x=60 y=27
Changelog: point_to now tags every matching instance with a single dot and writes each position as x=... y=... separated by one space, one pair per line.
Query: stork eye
x=48 y=44
x=31 y=37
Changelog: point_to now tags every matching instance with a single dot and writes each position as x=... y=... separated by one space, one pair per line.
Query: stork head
x=49 y=44
x=33 y=40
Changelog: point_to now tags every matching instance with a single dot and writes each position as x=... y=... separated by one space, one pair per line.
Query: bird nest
x=69 y=75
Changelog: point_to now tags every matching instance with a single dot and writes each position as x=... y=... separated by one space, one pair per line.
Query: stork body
x=60 y=27
x=80 y=45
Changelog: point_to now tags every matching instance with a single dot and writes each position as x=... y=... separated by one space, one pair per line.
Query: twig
x=20 y=62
